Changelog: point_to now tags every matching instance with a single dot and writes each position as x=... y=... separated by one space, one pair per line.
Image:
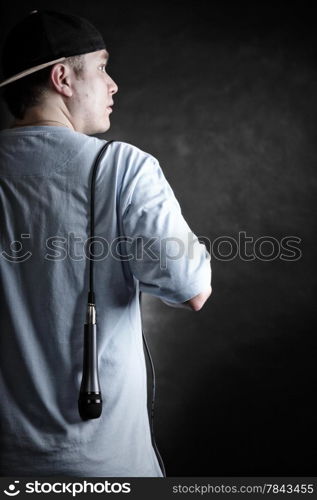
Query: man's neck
x=39 y=117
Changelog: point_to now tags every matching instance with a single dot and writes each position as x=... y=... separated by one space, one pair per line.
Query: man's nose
x=113 y=86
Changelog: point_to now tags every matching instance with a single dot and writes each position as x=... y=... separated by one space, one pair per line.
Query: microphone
x=90 y=400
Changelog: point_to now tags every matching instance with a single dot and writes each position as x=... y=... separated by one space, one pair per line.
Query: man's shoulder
x=128 y=160
x=127 y=152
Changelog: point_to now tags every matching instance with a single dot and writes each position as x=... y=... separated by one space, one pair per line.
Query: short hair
x=28 y=91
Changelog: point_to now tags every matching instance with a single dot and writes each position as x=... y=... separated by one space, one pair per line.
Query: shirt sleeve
x=163 y=253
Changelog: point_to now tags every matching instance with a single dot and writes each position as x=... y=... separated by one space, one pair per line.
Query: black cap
x=43 y=38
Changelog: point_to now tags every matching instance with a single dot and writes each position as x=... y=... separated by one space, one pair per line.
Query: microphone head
x=89 y=405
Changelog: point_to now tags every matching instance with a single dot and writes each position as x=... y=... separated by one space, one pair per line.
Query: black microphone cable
x=153 y=401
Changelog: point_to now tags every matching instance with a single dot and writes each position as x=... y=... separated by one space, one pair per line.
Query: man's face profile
x=93 y=94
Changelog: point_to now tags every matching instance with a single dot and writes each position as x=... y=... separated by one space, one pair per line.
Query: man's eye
x=103 y=66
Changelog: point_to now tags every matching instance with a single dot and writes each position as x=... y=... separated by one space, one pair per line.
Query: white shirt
x=45 y=175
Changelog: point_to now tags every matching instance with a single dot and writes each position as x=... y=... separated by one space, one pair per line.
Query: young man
x=57 y=87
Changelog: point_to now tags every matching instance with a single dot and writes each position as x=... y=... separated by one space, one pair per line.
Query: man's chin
x=102 y=129
x=99 y=128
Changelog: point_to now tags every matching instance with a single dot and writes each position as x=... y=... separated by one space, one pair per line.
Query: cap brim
x=30 y=71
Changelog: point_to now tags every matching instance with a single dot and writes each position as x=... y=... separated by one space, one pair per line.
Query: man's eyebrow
x=105 y=56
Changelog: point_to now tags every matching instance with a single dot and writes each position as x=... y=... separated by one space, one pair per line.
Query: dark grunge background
x=225 y=96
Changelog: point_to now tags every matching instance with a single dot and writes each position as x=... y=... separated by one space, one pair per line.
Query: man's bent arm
x=194 y=304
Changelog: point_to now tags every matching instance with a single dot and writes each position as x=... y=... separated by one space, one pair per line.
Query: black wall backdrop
x=225 y=96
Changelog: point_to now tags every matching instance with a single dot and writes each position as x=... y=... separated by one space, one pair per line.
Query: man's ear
x=61 y=79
